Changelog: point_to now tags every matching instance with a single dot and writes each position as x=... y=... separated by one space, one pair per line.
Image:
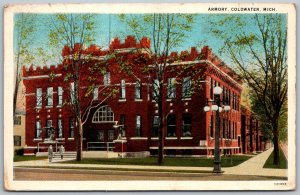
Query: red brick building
x=189 y=130
x=252 y=138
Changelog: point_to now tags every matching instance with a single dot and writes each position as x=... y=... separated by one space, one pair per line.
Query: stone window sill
x=138 y=100
x=138 y=138
x=186 y=138
x=186 y=99
x=71 y=138
x=171 y=138
x=37 y=139
x=122 y=100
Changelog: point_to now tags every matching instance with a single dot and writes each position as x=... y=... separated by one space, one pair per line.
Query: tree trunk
x=161 y=127
x=276 y=160
x=79 y=141
x=16 y=90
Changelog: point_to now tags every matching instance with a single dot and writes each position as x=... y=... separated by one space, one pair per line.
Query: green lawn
x=151 y=161
x=282 y=163
x=18 y=158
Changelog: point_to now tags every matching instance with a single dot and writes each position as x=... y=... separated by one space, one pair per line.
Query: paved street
x=88 y=175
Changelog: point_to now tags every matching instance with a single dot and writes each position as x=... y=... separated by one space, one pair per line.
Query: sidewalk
x=253 y=166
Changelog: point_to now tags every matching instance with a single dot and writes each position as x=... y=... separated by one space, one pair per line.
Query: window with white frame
x=49 y=128
x=39 y=97
x=122 y=125
x=17 y=120
x=211 y=125
x=137 y=90
x=50 y=96
x=138 y=126
x=72 y=92
x=59 y=128
x=95 y=93
x=17 y=140
x=106 y=78
x=155 y=126
x=123 y=90
x=72 y=127
x=171 y=88
x=186 y=125
x=38 y=129
x=103 y=115
x=211 y=88
x=171 y=125
x=60 y=95
x=186 y=87
x=155 y=88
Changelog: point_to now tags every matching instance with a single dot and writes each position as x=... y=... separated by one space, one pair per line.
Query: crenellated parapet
x=41 y=70
x=126 y=46
x=208 y=55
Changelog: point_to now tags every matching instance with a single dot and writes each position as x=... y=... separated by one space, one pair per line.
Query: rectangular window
x=186 y=125
x=211 y=125
x=171 y=88
x=17 y=120
x=111 y=135
x=155 y=89
x=59 y=128
x=100 y=136
x=38 y=129
x=123 y=90
x=211 y=89
x=171 y=125
x=137 y=90
x=186 y=87
x=106 y=79
x=72 y=92
x=155 y=126
x=138 y=126
x=224 y=129
x=122 y=123
x=223 y=95
x=39 y=97
x=17 y=140
x=49 y=128
x=72 y=127
x=95 y=93
x=229 y=100
x=60 y=95
x=229 y=129
x=50 y=96
x=233 y=105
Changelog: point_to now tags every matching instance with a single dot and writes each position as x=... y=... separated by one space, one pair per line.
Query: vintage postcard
x=138 y=97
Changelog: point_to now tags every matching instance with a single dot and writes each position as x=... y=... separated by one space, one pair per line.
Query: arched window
x=103 y=115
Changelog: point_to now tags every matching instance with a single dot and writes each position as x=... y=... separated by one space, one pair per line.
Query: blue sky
x=198 y=36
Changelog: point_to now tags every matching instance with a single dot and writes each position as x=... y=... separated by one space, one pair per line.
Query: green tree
x=167 y=32
x=74 y=31
x=260 y=56
x=24 y=27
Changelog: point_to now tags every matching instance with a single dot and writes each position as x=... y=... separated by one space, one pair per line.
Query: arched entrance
x=99 y=132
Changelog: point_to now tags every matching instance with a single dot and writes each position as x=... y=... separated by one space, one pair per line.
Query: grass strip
x=18 y=158
x=282 y=161
x=152 y=161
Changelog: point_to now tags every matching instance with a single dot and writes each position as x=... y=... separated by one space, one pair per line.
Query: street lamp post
x=217 y=107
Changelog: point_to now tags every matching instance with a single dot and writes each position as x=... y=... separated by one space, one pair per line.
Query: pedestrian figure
x=61 y=151
x=50 y=153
